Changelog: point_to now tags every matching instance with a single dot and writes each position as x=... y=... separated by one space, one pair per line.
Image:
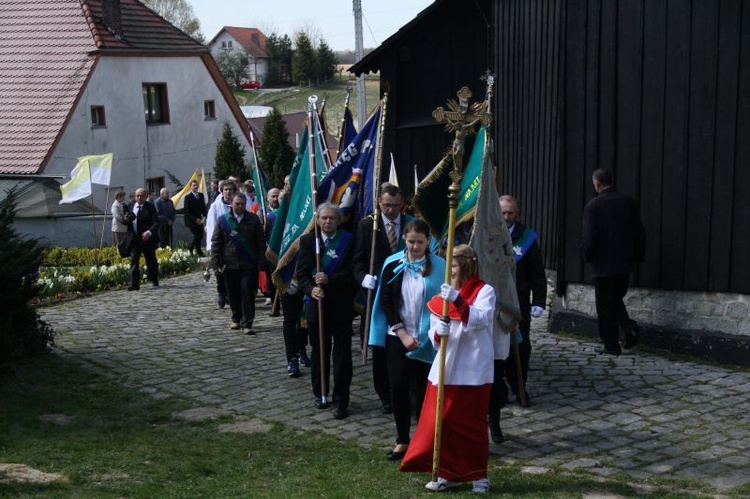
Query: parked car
x=250 y=85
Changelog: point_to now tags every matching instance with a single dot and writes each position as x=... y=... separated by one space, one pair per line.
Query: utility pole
x=359 y=53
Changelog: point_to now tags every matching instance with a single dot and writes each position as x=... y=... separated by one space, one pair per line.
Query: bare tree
x=180 y=13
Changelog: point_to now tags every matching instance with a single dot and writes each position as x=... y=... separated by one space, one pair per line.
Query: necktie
x=392 y=239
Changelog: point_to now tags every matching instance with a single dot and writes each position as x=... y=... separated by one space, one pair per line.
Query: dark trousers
x=195 y=244
x=165 y=235
x=241 y=287
x=408 y=385
x=610 y=309
x=499 y=393
x=380 y=380
x=524 y=350
x=295 y=337
x=337 y=347
x=148 y=250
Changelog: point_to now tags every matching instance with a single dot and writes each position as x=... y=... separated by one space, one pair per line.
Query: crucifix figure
x=459 y=118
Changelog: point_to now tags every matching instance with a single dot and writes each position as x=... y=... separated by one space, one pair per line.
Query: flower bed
x=70 y=272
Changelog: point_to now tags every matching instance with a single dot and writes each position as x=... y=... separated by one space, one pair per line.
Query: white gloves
x=443 y=328
x=292 y=289
x=369 y=282
x=536 y=312
x=448 y=292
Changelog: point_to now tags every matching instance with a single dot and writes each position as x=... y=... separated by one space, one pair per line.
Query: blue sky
x=334 y=19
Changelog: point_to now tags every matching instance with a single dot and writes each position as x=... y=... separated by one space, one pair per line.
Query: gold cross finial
x=460 y=117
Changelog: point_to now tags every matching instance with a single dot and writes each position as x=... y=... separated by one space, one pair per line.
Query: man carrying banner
x=531 y=284
x=237 y=252
x=334 y=284
x=388 y=240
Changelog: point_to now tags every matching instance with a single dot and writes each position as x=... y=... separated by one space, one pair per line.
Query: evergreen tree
x=22 y=332
x=275 y=152
x=279 y=49
x=325 y=62
x=230 y=156
x=303 y=60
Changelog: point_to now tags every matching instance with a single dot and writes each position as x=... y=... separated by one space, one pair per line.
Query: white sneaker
x=440 y=485
x=267 y=301
x=481 y=486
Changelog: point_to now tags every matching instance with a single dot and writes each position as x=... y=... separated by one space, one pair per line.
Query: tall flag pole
x=375 y=222
x=260 y=191
x=313 y=189
x=345 y=125
x=459 y=118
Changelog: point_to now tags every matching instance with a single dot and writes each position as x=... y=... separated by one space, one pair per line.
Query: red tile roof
x=47 y=50
x=244 y=37
x=44 y=60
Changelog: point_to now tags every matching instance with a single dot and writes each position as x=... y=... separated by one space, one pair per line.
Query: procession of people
x=438 y=311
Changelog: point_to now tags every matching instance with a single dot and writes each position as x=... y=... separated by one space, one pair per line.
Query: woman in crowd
x=400 y=323
x=464 y=447
x=120 y=217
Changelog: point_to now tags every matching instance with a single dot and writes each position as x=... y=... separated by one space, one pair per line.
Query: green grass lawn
x=293 y=100
x=120 y=442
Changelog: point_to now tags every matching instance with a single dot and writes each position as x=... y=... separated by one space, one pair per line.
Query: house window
x=209 y=110
x=97 y=117
x=155 y=105
x=155 y=184
x=226 y=45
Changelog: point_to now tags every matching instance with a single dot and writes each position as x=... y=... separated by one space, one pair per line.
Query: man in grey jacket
x=237 y=252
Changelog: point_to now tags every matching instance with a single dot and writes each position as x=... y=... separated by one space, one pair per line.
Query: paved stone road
x=637 y=414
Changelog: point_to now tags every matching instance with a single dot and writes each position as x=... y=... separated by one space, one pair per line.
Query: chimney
x=112 y=17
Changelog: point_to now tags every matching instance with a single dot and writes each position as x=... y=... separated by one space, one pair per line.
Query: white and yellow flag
x=100 y=167
x=392 y=176
x=79 y=185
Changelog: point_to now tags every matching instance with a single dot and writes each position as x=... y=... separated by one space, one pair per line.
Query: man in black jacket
x=388 y=240
x=531 y=284
x=613 y=241
x=237 y=252
x=144 y=224
x=334 y=285
x=195 y=216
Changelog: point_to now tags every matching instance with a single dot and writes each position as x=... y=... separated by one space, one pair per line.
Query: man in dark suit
x=334 y=284
x=145 y=227
x=195 y=216
x=613 y=241
x=388 y=240
x=531 y=284
x=237 y=252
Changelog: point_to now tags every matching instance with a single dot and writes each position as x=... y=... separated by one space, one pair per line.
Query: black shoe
x=222 y=301
x=395 y=456
x=340 y=413
x=304 y=360
x=386 y=408
x=155 y=284
x=201 y=254
x=608 y=351
x=293 y=369
x=133 y=288
x=496 y=433
x=319 y=404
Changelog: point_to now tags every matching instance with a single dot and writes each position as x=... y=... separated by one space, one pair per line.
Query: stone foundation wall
x=708 y=312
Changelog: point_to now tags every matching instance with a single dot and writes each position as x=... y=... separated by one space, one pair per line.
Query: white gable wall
x=257 y=69
x=144 y=151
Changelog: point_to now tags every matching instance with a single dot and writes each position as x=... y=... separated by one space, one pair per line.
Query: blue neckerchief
x=415 y=267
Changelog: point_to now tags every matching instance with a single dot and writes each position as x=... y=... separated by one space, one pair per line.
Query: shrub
x=22 y=332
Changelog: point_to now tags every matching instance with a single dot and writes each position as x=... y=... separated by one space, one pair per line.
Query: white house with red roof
x=249 y=40
x=80 y=77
